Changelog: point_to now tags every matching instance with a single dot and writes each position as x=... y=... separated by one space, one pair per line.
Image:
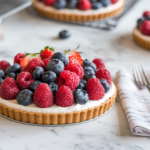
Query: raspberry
x=49 y=2
x=77 y=68
x=9 y=89
x=84 y=5
x=114 y=1
x=46 y=61
x=36 y=62
x=43 y=97
x=95 y=89
x=64 y=97
x=24 y=80
x=104 y=74
x=145 y=27
x=99 y=63
x=4 y=65
x=71 y=79
x=18 y=58
x=60 y=81
x=146 y=13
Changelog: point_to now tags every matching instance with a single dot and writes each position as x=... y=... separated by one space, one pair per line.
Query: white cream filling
x=139 y=34
x=49 y=9
x=57 y=109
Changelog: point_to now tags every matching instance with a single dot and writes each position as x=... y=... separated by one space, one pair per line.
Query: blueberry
x=147 y=18
x=56 y=66
x=64 y=34
x=140 y=21
x=80 y=96
x=82 y=84
x=59 y=4
x=1 y=80
x=105 y=2
x=25 y=97
x=15 y=68
x=88 y=70
x=105 y=85
x=62 y=57
x=54 y=87
x=12 y=75
x=89 y=76
x=2 y=74
x=37 y=73
x=72 y=4
x=48 y=76
x=86 y=62
x=34 y=85
x=92 y=1
x=97 y=5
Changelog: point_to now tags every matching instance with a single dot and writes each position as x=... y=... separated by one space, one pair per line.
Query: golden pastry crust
x=74 y=17
x=58 y=118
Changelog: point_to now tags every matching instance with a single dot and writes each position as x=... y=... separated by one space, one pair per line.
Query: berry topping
x=18 y=58
x=140 y=21
x=82 y=84
x=37 y=73
x=105 y=2
x=64 y=34
x=24 y=80
x=62 y=57
x=64 y=97
x=46 y=61
x=43 y=96
x=146 y=13
x=1 y=80
x=59 y=4
x=47 y=52
x=25 y=97
x=87 y=76
x=113 y=1
x=84 y=5
x=90 y=64
x=72 y=4
x=9 y=89
x=34 y=85
x=54 y=87
x=56 y=66
x=15 y=68
x=97 y=5
x=99 y=63
x=48 y=76
x=49 y=2
x=95 y=89
x=60 y=81
x=105 y=85
x=104 y=74
x=88 y=70
x=80 y=96
x=145 y=27
x=2 y=74
x=4 y=65
x=13 y=75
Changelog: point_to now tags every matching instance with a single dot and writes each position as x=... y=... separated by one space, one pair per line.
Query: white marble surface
x=23 y=32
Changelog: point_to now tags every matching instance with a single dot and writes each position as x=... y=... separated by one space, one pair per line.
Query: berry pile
x=79 y=4
x=46 y=78
x=143 y=24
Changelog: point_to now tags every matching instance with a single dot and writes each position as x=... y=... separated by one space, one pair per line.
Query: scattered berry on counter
x=99 y=63
x=82 y=84
x=105 y=85
x=64 y=34
x=18 y=58
x=37 y=73
x=54 y=87
x=4 y=65
x=34 y=85
x=48 y=77
x=47 y=52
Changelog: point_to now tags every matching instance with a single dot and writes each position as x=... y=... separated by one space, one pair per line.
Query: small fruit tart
x=141 y=32
x=55 y=88
x=78 y=10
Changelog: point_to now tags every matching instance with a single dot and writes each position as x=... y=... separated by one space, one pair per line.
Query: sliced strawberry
x=47 y=52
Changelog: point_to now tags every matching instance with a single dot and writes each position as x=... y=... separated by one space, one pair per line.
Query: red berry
x=60 y=81
x=145 y=27
x=146 y=13
x=4 y=65
x=49 y=2
x=24 y=80
x=64 y=97
x=95 y=89
x=71 y=79
x=84 y=5
x=99 y=63
x=77 y=68
x=18 y=58
x=43 y=97
x=114 y=1
x=104 y=74
x=46 y=61
x=36 y=62
x=46 y=53
x=9 y=89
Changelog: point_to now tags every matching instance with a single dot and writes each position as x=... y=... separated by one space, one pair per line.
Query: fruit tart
x=78 y=10
x=54 y=88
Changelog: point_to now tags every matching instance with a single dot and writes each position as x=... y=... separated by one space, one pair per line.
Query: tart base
x=75 y=17
x=58 y=118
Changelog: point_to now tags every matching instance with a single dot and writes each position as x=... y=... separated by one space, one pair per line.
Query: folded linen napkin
x=135 y=102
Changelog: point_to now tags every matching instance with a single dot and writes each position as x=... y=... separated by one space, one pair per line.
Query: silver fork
x=140 y=76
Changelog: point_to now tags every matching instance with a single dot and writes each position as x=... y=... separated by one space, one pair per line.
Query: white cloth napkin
x=135 y=102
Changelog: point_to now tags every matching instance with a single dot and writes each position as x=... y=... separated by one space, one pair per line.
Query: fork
x=140 y=76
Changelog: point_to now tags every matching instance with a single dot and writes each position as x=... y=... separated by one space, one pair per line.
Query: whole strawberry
x=4 y=65
x=95 y=89
x=18 y=58
x=47 y=52
x=64 y=97
x=43 y=97
x=84 y=5
x=9 y=89
x=99 y=63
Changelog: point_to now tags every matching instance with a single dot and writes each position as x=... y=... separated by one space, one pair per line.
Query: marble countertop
x=24 y=32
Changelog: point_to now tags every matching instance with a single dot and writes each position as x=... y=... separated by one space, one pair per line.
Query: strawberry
x=47 y=52
x=46 y=61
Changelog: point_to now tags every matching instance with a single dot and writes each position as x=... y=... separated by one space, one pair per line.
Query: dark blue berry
x=2 y=74
x=1 y=80
x=87 y=76
x=105 y=85
x=80 y=96
x=72 y=4
x=56 y=66
x=25 y=97
x=34 y=85
x=62 y=57
x=82 y=84
x=12 y=75
x=48 y=76
x=105 y=2
x=64 y=34
x=88 y=70
x=140 y=21
x=93 y=1
x=54 y=87
x=97 y=5
x=59 y=4
x=147 y=18
x=15 y=68
x=86 y=62
x=37 y=73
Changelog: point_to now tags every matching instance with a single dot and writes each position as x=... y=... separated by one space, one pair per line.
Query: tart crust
x=141 y=40
x=58 y=118
x=74 y=17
